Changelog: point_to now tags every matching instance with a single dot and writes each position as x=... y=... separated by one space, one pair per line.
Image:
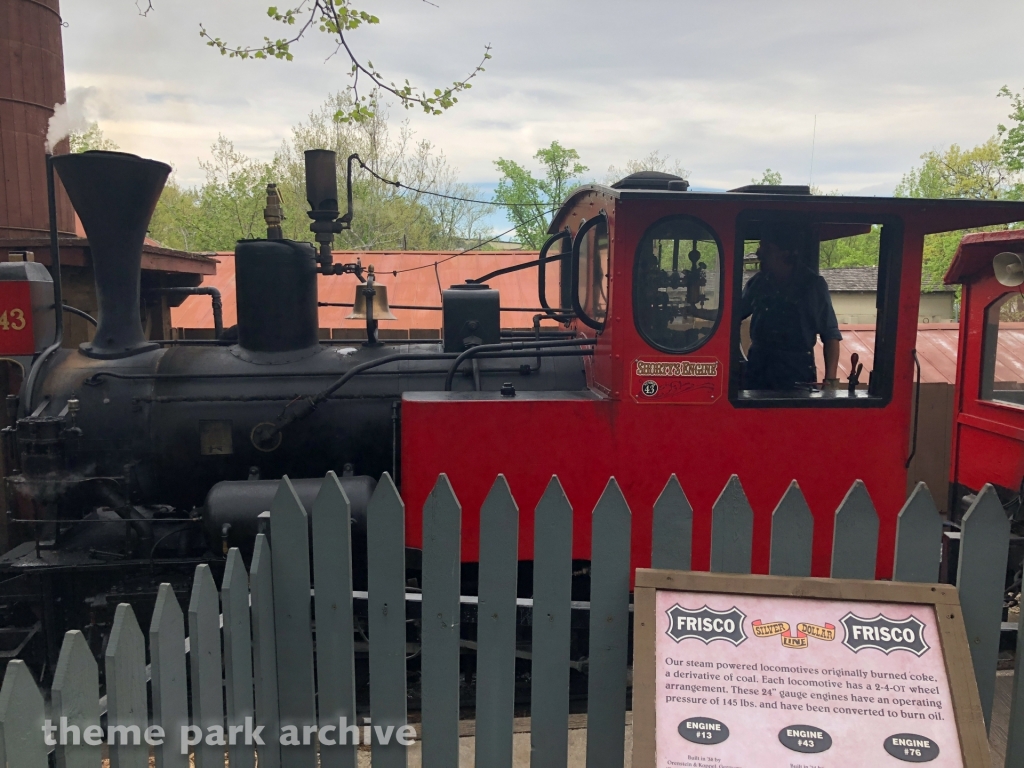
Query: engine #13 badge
x=706 y=624
x=884 y=634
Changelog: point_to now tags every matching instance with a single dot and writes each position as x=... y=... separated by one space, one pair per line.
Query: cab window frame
x=887 y=304
x=574 y=290
x=720 y=287
x=990 y=354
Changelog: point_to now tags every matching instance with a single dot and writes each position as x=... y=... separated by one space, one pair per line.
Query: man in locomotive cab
x=789 y=306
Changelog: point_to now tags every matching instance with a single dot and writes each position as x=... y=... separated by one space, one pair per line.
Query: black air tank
x=275 y=282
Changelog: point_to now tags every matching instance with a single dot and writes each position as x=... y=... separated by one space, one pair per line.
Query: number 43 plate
x=16 y=337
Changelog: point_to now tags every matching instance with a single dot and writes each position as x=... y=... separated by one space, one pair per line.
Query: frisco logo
x=706 y=624
x=884 y=634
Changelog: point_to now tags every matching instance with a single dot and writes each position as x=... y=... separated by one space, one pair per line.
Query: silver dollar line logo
x=884 y=634
x=677 y=368
x=706 y=624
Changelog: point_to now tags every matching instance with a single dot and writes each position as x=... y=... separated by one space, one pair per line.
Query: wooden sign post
x=764 y=671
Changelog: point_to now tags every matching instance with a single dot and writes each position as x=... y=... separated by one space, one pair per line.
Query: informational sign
x=657 y=379
x=16 y=337
x=784 y=677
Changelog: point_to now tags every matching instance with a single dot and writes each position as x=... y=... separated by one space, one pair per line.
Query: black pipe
x=513 y=268
x=263 y=435
x=427 y=308
x=917 y=409
x=508 y=345
x=58 y=294
x=325 y=342
x=542 y=276
x=289 y=397
x=84 y=315
x=58 y=287
x=202 y=290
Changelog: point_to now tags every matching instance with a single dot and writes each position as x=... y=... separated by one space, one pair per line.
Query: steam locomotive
x=129 y=460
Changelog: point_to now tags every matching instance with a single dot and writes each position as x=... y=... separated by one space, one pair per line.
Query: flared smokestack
x=115 y=195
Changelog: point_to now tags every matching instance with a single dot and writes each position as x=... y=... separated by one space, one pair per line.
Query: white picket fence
x=250 y=647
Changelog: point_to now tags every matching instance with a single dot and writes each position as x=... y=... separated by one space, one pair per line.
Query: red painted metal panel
x=988 y=438
x=584 y=441
x=16 y=336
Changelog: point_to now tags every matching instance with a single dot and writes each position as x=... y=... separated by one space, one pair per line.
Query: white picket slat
x=21 y=719
x=125 y=667
x=74 y=697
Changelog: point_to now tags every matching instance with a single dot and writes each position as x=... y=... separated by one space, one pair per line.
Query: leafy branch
x=336 y=18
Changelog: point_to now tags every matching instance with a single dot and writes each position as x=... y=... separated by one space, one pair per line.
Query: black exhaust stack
x=114 y=194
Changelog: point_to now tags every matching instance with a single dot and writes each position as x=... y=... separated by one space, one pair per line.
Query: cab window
x=1002 y=372
x=591 y=264
x=677 y=284
x=798 y=277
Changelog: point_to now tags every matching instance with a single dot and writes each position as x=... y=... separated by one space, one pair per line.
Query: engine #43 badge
x=884 y=634
x=706 y=624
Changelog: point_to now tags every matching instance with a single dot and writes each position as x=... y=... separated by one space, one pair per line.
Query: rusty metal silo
x=32 y=54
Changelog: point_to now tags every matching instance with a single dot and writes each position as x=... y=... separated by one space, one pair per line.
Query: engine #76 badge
x=884 y=634
x=706 y=624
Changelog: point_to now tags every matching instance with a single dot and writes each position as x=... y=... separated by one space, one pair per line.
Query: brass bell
x=381 y=310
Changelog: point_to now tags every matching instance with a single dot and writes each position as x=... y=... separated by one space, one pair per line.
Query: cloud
x=728 y=89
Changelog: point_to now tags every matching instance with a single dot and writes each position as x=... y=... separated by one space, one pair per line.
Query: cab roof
x=930 y=216
x=976 y=250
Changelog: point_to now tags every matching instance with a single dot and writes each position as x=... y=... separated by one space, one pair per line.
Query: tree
x=1011 y=140
x=386 y=216
x=652 y=162
x=529 y=200
x=769 y=178
x=336 y=19
x=981 y=173
x=855 y=251
x=89 y=139
x=228 y=206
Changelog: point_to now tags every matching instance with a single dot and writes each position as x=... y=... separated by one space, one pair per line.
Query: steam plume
x=75 y=114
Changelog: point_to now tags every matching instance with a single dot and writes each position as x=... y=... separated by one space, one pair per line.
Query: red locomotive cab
x=988 y=410
x=655 y=275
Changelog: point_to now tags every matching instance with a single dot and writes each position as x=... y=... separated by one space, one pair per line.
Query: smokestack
x=115 y=195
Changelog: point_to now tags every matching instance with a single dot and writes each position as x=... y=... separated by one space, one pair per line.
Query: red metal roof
x=418 y=288
x=937 y=345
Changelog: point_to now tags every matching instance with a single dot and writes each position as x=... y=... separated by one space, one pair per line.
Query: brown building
x=31 y=84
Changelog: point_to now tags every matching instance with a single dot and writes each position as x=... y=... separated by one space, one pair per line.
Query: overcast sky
x=727 y=88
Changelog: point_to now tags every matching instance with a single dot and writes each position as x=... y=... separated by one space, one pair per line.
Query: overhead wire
x=399 y=185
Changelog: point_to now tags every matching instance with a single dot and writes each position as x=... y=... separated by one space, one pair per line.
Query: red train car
x=655 y=274
x=988 y=418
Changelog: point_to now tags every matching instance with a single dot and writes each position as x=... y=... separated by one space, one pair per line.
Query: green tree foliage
x=228 y=206
x=981 y=173
x=1011 y=140
x=337 y=19
x=856 y=251
x=530 y=200
x=768 y=178
x=89 y=139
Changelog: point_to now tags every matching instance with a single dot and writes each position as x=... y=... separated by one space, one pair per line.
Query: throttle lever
x=856 y=368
